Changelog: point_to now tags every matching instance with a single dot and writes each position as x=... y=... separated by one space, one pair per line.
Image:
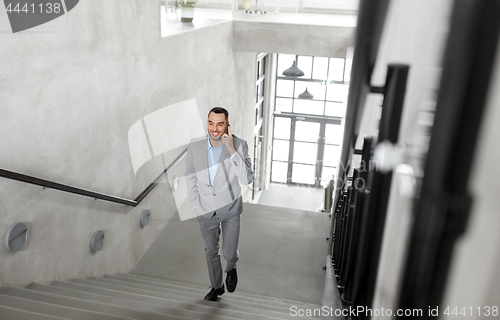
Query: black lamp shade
x=293 y=71
x=306 y=95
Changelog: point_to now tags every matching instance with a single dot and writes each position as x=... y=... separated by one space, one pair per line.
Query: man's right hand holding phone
x=227 y=139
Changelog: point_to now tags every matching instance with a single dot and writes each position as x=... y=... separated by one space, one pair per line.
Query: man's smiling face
x=216 y=125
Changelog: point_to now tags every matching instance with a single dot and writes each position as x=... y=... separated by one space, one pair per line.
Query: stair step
x=140 y=303
x=53 y=310
x=137 y=297
x=178 y=284
x=228 y=297
x=8 y=313
x=200 y=291
x=158 y=292
x=219 y=308
x=97 y=306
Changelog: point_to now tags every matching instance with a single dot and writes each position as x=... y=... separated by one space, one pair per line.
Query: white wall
x=70 y=90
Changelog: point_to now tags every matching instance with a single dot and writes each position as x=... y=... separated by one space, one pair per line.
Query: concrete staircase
x=133 y=296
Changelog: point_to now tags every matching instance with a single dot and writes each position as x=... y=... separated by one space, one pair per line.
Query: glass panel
x=320 y=68
x=337 y=92
x=335 y=109
x=316 y=89
x=282 y=128
x=305 y=64
x=309 y=107
x=285 y=61
x=283 y=105
x=280 y=150
x=336 y=70
x=303 y=174
x=333 y=134
x=331 y=156
x=260 y=91
x=284 y=88
x=327 y=174
x=258 y=112
x=279 y=171
x=305 y=152
x=306 y=131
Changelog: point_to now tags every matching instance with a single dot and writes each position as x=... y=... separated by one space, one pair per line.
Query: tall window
x=327 y=79
x=307 y=132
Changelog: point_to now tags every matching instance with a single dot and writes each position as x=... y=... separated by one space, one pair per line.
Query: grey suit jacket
x=224 y=196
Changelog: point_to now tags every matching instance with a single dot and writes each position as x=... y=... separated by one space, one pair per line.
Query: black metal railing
x=350 y=279
x=442 y=208
x=359 y=213
x=371 y=18
x=442 y=211
x=378 y=186
x=84 y=192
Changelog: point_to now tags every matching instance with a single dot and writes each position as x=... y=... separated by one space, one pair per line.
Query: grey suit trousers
x=210 y=231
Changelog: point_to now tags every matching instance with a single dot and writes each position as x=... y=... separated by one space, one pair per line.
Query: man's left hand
x=227 y=139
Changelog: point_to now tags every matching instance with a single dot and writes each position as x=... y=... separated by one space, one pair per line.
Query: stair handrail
x=89 y=193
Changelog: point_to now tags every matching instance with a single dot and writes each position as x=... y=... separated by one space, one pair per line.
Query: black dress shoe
x=231 y=280
x=214 y=293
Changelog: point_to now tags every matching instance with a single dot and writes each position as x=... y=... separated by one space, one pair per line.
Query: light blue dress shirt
x=213 y=160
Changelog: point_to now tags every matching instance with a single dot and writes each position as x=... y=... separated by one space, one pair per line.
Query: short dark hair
x=219 y=110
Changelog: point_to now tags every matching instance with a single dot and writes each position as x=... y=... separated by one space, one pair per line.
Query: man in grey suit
x=215 y=166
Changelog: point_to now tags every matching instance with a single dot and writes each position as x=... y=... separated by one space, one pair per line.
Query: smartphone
x=226 y=131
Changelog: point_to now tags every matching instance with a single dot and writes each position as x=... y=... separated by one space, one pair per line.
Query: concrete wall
x=70 y=89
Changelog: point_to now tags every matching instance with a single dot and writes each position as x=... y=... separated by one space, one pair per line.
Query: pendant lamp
x=293 y=71
x=306 y=95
